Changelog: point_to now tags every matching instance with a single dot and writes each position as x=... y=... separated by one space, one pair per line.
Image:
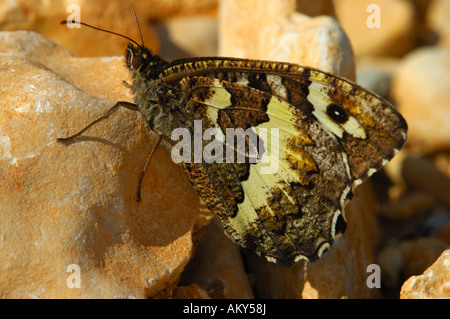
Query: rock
x=375 y=73
x=408 y=206
x=395 y=34
x=420 y=90
x=217 y=266
x=391 y=262
x=315 y=8
x=69 y=210
x=421 y=174
x=191 y=36
x=117 y=16
x=437 y=22
x=408 y=258
x=420 y=253
x=443 y=233
x=190 y=292
x=433 y=283
x=275 y=31
x=44 y=17
x=26 y=12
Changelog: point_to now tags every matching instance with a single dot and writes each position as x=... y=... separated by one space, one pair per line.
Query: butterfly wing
x=288 y=205
x=317 y=143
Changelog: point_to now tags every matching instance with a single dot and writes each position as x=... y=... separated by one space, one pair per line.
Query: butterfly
x=325 y=134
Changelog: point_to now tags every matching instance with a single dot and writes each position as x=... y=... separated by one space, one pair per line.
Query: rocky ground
x=65 y=205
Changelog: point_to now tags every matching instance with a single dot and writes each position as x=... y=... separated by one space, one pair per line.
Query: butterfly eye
x=337 y=113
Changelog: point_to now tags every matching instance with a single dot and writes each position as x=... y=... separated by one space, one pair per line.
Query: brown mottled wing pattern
x=321 y=136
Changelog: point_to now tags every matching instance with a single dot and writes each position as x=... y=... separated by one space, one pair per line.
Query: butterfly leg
x=147 y=162
x=126 y=84
x=127 y=105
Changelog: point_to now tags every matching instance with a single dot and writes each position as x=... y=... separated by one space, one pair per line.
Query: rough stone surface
x=74 y=204
x=433 y=283
x=420 y=89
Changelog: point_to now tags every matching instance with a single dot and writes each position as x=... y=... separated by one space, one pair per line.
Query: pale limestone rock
x=395 y=35
x=433 y=283
x=74 y=204
x=420 y=90
x=273 y=30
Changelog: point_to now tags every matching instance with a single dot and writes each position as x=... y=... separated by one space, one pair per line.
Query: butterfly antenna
x=107 y=31
x=137 y=22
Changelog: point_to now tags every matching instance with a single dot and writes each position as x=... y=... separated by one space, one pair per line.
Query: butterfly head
x=140 y=60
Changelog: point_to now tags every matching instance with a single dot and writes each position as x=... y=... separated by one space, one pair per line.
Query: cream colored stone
x=395 y=35
x=273 y=30
x=433 y=283
x=420 y=90
x=74 y=204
